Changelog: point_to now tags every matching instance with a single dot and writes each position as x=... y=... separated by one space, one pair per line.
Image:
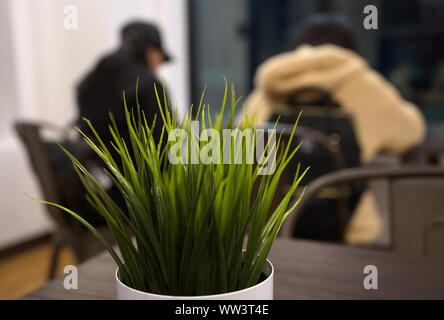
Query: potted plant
x=192 y=227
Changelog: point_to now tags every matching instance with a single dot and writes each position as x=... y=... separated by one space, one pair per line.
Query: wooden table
x=304 y=270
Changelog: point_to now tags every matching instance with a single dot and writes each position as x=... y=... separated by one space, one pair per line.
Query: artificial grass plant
x=183 y=228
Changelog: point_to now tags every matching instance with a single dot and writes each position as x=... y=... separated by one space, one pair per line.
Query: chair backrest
x=323 y=113
x=335 y=125
x=310 y=136
x=37 y=152
x=329 y=144
x=416 y=204
x=316 y=146
x=417 y=208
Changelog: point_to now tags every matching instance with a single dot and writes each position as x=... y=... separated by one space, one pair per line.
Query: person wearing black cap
x=101 y=91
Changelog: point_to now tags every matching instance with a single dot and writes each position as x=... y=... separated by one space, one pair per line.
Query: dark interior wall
x=367 y=40
x=219 y=47
x=234 y=37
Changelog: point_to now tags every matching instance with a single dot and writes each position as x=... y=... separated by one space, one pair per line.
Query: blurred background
x=41 y=63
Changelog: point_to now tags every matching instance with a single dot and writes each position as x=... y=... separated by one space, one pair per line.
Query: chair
x=416 y=204
x=68 y=232
x=321 y=151
x=321 y=112
x=431 y=150
x=330 y=145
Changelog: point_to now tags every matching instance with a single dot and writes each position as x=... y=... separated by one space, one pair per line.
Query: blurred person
x=325 y=58
x=101 y=91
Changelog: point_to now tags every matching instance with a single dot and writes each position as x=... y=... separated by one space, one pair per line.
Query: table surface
x=303 y=270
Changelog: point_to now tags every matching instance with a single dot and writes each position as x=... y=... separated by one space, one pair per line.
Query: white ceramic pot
x=261 y=291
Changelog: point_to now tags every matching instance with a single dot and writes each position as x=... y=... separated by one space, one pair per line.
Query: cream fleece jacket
x=383 y=121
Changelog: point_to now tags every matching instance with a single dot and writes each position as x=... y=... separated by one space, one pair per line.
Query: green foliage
x=183 y=229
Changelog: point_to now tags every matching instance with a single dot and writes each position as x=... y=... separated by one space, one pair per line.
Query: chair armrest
x=358 y=174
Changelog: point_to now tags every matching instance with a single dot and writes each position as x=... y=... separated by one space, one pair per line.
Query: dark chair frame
x=360 y=174
x=337 y=158
x=67 y=232
x=318 y=137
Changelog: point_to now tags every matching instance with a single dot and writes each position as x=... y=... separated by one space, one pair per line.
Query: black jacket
x=101 y=92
